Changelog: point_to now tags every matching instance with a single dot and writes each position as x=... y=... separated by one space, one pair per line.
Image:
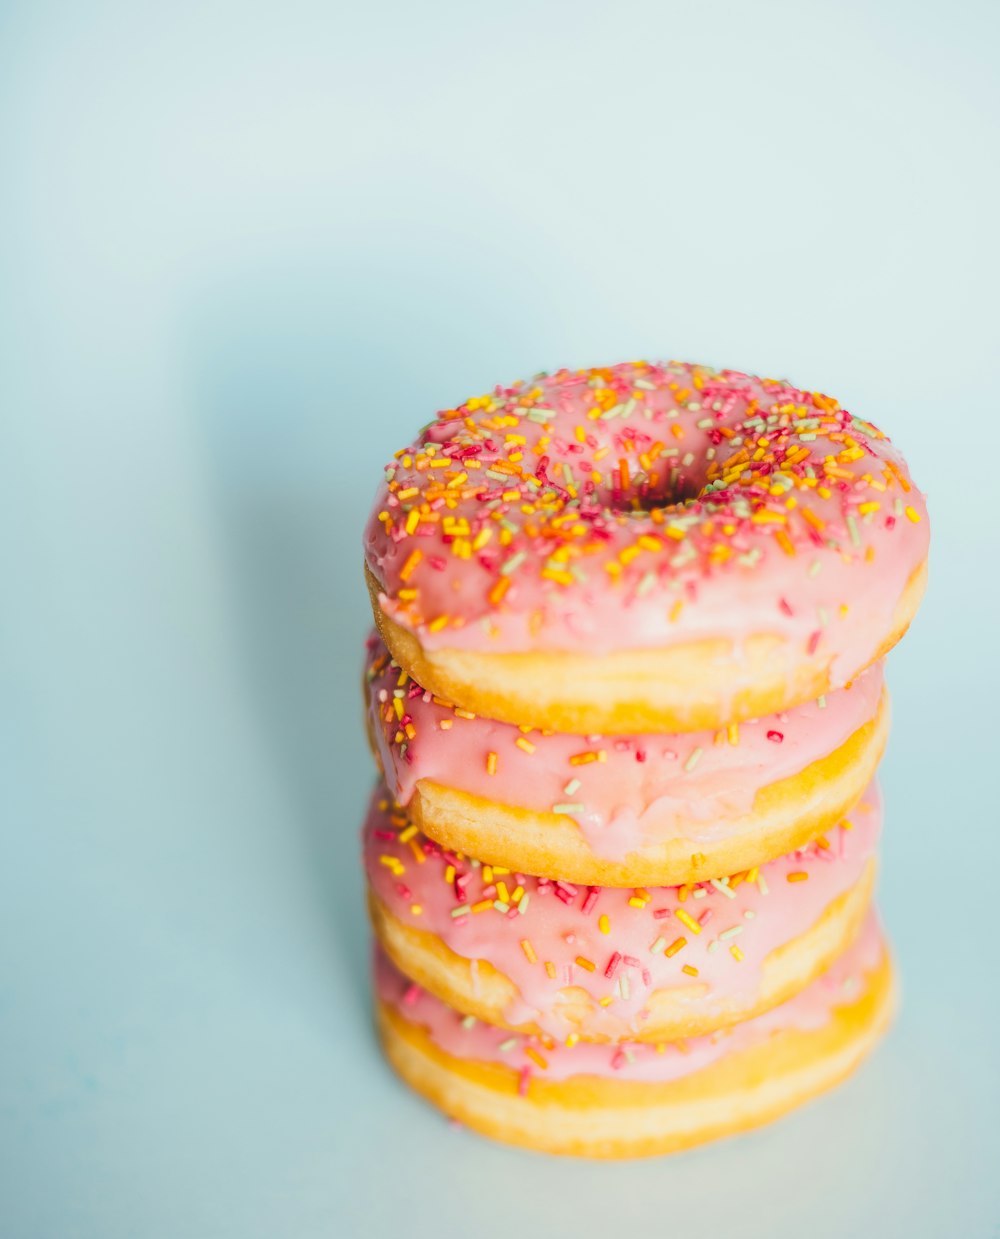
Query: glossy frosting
x=631 y=942
x=466 y=1038
x=644 y=505
x=623 y=791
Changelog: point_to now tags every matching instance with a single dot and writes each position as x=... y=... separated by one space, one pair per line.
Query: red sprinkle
x=776 y=736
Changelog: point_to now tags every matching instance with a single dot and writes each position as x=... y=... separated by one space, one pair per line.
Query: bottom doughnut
x=637 y=1100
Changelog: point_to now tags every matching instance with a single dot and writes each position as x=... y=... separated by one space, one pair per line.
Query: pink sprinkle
x=512 y=913
x=631 y=961
x=618 y=1061
x=591 y=899
x=438 y=562
x=647 y=980
x=640 y=755
x=661 y=914
x=522 y=1081
x=776 y=736
x=813 y=642
x=784 y=607
x=705 y=917
x=613 y=963
x=411 y=995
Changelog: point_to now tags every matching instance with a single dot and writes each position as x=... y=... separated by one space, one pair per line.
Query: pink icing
x=471 y=1039
x=639 y=790
x=563 y=923
x=601 y=503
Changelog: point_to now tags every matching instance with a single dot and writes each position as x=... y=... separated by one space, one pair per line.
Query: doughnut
x=610 y=964
x=634 y=1100
x=629 y=810
x=644 y=548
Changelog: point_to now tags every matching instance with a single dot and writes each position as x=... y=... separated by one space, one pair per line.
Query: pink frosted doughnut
x=624 y=810
x=634 y=1100
x=644 y=548
x=606 y=964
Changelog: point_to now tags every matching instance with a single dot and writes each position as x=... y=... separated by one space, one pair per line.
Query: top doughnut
x=644 y=547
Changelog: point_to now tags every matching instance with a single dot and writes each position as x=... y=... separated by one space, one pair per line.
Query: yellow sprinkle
x=437 y=624
x=685 y=918
x=572 y=1039
x=683 y=892
x=690 y=969
x=733 y=733
x=491 y=763
x=912 y=513
x=408 y=834
x=416 y=909
x=517 y=895
x=634 y=902
x=502 y=894
x=736 y=953
x=449 y=874
x=487 y=874
x=604 y=925
x=550 y=968
x=529 y=951
x=526 y=745
x=586 y=963
x=412 y=520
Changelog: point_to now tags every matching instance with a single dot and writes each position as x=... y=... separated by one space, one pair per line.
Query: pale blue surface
x=245 y=251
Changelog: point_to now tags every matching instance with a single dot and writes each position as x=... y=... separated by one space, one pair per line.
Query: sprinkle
x=603 y=924
x=775 y=737
x=413 y=559
x=723 y=888
x=513 y=563
x=730 y=933
x=798 y=876
x=655 y=947
x=491 y=763
x=567 y=808
x=463 y=910
x=526 y=745
x=529 y=951
x=690 y=969
x=550 y=969
x=482 y=905
x=736 y=953
x=912 y=513
x=686 y=919
x=535 y=1057
x=572 y=787
x=675 y=946
x=612 y=966
x=586 y=963
x=692 y=760
x=506 y=1046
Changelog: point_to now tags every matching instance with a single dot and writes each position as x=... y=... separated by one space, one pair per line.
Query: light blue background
x=245 y=251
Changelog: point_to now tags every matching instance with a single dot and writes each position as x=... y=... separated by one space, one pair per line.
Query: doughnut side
x=689 y=686
x=479 y=989
x=603 y=1117
x=785 y=816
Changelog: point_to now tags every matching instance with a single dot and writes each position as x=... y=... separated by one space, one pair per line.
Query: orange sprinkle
x=533 y=1054
x=414 y=558
x=491 y=763
x=499 y=589
x=798 y=876
x=586 y=963
x=690 y=969
x=675 y=946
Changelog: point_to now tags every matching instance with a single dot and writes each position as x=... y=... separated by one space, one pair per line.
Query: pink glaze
x=629 y=791
x=471 y=1039
x=562 y=923
x=600 y=501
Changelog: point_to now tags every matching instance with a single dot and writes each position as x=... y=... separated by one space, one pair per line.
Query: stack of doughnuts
x=625 y=695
